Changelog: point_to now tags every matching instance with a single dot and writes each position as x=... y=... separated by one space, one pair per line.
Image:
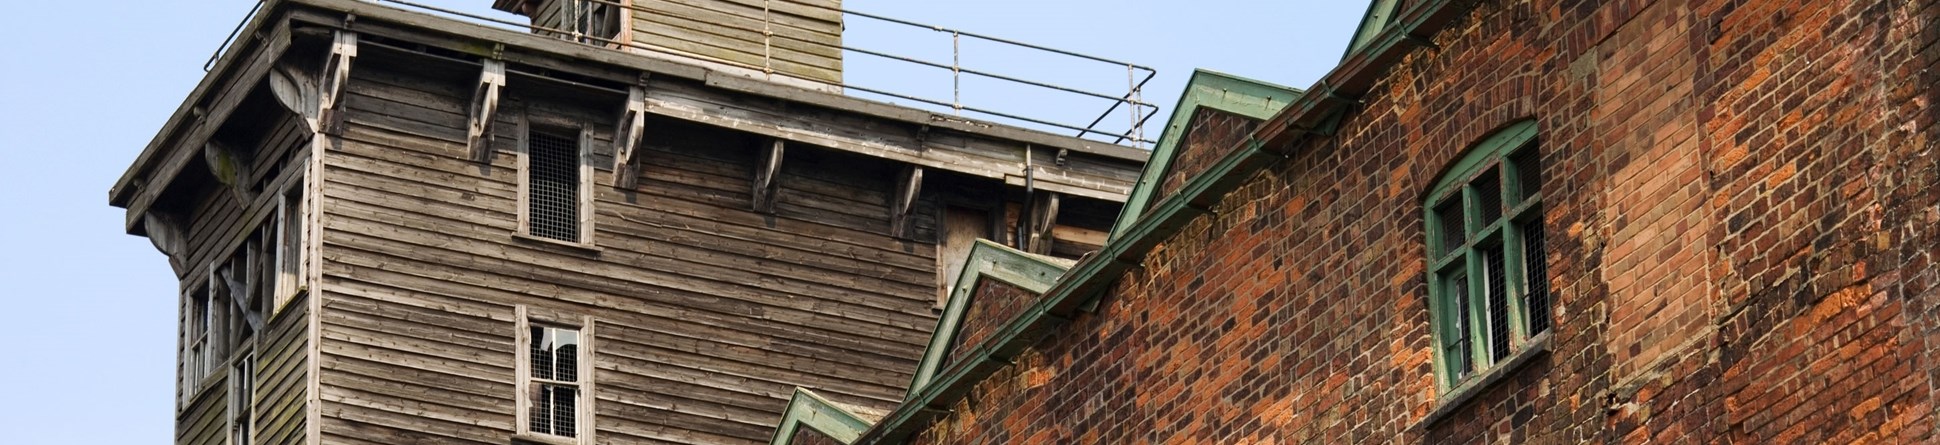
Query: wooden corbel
x=767 y=184
x=1044 y=217
x=336 y=72
x=478 y=133
x=626 y=138
x=908 y=186
x=228 y=165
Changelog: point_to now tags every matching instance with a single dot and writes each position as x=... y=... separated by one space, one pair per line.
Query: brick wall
x=992 y=304
x=1741 y=200
x=1210 y=136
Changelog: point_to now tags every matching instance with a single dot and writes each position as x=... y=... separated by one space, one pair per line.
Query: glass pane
x=1449 y=216
x=1498 y=301
x=539 y=418
x=1529 y=176
x=564 y=407
x=566 y=355
x=1488 y=197
x=542 y=360
x=1536 y=270
x=1456 y=336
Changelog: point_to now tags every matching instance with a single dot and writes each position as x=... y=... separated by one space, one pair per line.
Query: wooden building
x=394 y=228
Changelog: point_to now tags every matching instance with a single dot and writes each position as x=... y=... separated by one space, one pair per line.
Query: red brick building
x=1500 y=222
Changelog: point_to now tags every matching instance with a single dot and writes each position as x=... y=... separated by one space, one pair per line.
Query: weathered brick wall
x=1741 y=197
x=994 y=303
x=1210 y=136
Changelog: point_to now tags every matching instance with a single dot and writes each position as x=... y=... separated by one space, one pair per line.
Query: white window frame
x=242 y=405
x=585 y=205
x=583 y=422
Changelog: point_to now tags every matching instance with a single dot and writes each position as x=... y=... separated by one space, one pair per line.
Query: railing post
x=956 y=71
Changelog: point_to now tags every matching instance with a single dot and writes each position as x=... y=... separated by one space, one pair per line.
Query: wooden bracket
x=908 y=186
x=767 y=184
x=336 y=72
x=626 y=138
x=227 y=165
x=484 y=110
x=1044 y=217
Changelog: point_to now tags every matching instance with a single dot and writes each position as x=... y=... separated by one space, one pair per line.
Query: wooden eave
x=1273 y=142
x=267 y=35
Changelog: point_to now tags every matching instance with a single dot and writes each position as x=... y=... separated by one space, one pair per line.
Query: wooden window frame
x=291 y=265
x=242 y=404
x=586 y=190
x=1448 y=261
x=583 y=418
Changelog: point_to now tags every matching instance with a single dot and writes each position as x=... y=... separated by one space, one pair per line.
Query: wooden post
x=1043 y=218
x=336 y=72
x=908 y=186
x=626 y=138
x=484 y=107
x=767 y=183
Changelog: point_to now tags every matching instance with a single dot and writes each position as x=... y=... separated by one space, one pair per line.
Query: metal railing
x=1131 y=100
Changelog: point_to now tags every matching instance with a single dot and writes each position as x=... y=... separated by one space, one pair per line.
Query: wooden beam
x=336 y=72
x=767 y=183
x=491 y=79
x=908 y=186
x=196 y=127
x=1043 y=218
x=626 y=138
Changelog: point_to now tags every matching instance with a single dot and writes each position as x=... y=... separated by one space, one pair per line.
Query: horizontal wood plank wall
x=806 y=43
x=219 y=218
x=281 y=377
x=205 y=420
x=709 y=313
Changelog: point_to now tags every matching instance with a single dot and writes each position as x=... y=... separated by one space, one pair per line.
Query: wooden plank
x=767 y=181
x=908 y=186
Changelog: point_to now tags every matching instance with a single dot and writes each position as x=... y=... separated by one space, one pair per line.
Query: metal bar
x=231 y=40
x=984 y=74
x=996 y=39
x=1114 y=105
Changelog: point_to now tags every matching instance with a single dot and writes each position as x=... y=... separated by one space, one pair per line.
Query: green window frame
x=1488 y=284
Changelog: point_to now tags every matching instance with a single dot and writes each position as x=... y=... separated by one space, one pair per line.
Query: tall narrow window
x=242 y=406
x=554 y=186
x=1484 y=225
x=196 y=323
x=289 y=246
x=555 y=379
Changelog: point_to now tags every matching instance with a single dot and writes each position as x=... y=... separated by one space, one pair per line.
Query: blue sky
x=92 y=338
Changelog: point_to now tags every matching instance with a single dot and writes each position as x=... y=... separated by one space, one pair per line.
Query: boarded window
x=553 y=186
x=961 y=229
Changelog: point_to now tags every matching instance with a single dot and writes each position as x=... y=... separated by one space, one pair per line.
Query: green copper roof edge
x=1208 y=89
x=987 y=259
x=1102 y=268
x=1379 y=14
x=809 y=409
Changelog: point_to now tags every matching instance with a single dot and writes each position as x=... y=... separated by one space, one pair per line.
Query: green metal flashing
x=1034 y=273
x=1379 y=14
x=1273 y=141
x=1208 y=89
x=811 y=410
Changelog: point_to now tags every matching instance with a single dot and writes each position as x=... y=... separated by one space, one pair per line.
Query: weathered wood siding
x=708 y=313
x=806 y=42
x=204 y=421
x=282 y=377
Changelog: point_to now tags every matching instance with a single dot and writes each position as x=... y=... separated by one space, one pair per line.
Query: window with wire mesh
x=553 y=186
x=1487 y=257
x=554 y=390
